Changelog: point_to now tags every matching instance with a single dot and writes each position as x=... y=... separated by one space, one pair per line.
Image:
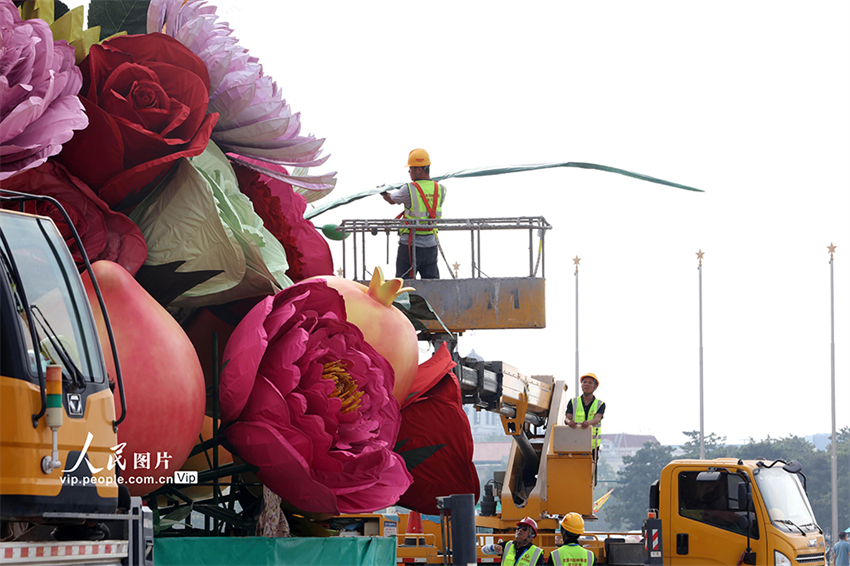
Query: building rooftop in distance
x=623 y=440
x=616 y=446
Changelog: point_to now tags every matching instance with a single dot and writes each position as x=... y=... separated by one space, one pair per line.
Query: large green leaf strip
x=487 y=171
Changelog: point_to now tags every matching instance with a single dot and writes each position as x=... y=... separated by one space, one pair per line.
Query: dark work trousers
x=426 y=263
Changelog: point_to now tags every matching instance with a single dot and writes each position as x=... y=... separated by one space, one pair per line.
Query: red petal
x=282 y=470
x=437 y=418
x=160 y=47
x=130 y=187
x=94 y=168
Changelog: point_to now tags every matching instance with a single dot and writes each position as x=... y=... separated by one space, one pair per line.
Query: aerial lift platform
x=474 y=303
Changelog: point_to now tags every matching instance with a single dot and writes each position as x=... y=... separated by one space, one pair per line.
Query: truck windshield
x=785 y=499
x=60 y=313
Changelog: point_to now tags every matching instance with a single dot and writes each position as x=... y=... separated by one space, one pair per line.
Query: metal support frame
x=220 y=513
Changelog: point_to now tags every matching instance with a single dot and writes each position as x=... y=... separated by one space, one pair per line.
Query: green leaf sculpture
x=115 y=16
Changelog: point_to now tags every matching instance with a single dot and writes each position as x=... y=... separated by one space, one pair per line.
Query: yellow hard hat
x=572 y=523
x=591 y=376
x=418 y=158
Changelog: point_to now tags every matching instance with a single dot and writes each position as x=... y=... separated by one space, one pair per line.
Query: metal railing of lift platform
x=533 y=224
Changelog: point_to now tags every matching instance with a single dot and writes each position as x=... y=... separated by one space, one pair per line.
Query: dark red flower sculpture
x=282 y=211
x=146 y=97
x=435 y=438
x=310 y=403
x=105 y=234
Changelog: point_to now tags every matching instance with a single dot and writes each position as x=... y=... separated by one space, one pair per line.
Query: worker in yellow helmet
x=520 y=551
x=572 y=553
x=586 y=411
x=422 y=199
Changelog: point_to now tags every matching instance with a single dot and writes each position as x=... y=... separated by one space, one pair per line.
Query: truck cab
x=729 y=511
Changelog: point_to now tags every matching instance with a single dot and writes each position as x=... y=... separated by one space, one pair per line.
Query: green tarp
x=258 y=551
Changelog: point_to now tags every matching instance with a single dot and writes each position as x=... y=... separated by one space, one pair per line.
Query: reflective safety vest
x=579 y=417
x=572 y=555
x=529 y=556
x=426 y=201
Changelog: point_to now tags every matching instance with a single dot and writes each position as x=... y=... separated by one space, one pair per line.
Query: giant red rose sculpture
x=105 y=234
x=309 y=402
x=146 y=97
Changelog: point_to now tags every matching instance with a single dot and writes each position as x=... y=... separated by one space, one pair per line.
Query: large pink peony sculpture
x=384 y=326
x=310 y=403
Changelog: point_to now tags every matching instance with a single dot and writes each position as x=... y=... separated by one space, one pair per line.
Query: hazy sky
x=747 y=100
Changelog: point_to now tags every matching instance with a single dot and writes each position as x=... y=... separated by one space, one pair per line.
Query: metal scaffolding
x=474 y=226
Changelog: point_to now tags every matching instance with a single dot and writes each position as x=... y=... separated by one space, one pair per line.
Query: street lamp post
x=575 y=261
x=834 y=435
x=701 y=412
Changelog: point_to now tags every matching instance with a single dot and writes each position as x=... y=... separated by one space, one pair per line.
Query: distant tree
x=629 y=509
x=715 y=446
x=819 y=474
x=817 y=467
x=605 y=474
x=788 y=448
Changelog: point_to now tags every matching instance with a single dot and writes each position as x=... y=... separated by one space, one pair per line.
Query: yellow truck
x=59 y=493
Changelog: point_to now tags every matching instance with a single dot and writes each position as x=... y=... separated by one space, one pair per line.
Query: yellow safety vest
x=572 y=555
x=579 y=417
x=426 y=201
x=528 y=557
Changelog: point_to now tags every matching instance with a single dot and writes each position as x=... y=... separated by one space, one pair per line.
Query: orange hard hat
x=531 y=523
x=591 y=376
x=418 y=158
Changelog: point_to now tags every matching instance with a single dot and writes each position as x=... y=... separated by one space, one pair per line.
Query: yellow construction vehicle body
x=24 y=446
x=42 y=293
x=713 y=537
x=484 y=303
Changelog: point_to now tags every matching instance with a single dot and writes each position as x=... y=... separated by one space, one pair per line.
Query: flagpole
x=831 y=249
x=575 y=261
x=701 y=411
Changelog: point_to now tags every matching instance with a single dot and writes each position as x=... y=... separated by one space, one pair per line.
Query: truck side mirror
x=743 y=496
x=654 y=495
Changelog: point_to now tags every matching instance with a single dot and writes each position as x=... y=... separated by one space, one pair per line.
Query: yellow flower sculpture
x=69 y=27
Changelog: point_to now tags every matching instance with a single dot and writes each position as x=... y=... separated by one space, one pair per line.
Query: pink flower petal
x=38 y=80
x=325 y=440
